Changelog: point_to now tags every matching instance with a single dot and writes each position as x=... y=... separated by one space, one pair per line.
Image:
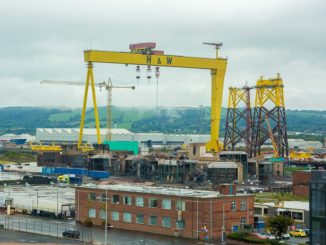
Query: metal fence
x=48 y=228
x=140 y=242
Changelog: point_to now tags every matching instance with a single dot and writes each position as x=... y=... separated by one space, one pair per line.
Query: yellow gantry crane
x=108 y=86
x=149 y=57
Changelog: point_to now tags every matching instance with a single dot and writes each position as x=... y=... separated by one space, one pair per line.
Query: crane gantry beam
x=217 y=67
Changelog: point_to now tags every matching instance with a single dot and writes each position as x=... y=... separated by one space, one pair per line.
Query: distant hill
x=167 y=120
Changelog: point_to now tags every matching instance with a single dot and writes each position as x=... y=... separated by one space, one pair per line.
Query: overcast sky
x=45 y=40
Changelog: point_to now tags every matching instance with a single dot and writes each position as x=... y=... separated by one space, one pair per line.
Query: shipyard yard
x=157 y=122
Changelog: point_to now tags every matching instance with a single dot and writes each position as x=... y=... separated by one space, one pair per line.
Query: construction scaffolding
x=269 y=105
x=180 y=171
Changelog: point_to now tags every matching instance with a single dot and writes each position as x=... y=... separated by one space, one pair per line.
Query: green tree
x=278 y=225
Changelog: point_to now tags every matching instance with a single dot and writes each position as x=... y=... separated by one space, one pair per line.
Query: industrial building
x=296 y=210
x=70 y=135
x=186 y=213
x=48 y=201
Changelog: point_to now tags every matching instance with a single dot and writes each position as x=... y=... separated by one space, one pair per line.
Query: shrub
x=247 y=237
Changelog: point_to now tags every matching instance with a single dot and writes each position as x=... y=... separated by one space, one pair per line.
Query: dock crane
x=143 y=54
x=105 y=84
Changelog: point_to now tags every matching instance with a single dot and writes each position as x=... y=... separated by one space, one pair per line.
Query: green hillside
x=167 y=120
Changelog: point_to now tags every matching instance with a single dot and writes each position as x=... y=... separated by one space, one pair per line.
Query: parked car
x=298 y=233
x=285 y=236
x=71 y=233
x=258 y=235
x=307 y=231
x=270 y=237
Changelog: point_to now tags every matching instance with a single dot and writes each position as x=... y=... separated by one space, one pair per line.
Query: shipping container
x=97 y=175
x=76 y=171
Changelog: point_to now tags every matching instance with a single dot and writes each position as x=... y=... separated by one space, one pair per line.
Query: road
x=115 y=236
x=13 y=237
x=298 y=240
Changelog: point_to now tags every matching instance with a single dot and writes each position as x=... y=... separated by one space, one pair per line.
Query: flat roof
x=223 y=165
x=44 y=195
x=233 y=153
x=159 y=190
x=288 y=205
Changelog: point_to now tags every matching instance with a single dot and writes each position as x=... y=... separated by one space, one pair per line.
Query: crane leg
x=97 y=122
x=82 y=120
x=216 y=107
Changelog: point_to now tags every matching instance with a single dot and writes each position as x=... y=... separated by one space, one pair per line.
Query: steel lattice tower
x=238 y=119
x=269 y=94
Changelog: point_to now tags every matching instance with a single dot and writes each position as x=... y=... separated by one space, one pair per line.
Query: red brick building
x=300 y=183
x=170 y=211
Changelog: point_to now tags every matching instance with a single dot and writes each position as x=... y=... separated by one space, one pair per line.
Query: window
x=127 y=217
x=92 y=213
x=233 y=206
x=243 y=205
x=297 y=215
x=180 y=224
x=181 y=205
x=115 y=199
x=243 y=221
x=257 y=211
x=166 y=204
x=139 y=218
x=140 y=201
x=92 y=196
x=101 y=214
x=152 y=220
x=115 y=215
x=103 y=197
x=152 y=203
x=166 y=222
x=265 y=211
x=127 y=200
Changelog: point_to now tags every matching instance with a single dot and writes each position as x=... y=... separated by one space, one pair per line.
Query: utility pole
x=223 y=224
x=106 y=217
x=57 y=202
x=36 y=202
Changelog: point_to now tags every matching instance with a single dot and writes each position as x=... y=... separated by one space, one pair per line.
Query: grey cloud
x=45 y=40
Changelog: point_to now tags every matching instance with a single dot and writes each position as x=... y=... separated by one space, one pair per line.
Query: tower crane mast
x=105 y=84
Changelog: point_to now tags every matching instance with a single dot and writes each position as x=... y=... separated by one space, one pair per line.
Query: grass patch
x=247 y=237
x=278 y=197
x=64 y=116
x=18 y=157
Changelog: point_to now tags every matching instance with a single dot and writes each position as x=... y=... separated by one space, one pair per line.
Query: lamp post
x=223 y=222
x=58 y=202
x=106 y=216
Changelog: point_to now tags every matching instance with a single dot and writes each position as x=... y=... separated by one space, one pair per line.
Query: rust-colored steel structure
x=239 y=119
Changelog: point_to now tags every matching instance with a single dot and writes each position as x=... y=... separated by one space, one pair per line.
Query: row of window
x=243 y=205
x=139 y=201
x=293 y=215
x=153 y=202
x=127 y=217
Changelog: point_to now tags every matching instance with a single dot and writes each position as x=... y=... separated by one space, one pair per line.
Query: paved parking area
x=297 y=240
x=18 y=237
